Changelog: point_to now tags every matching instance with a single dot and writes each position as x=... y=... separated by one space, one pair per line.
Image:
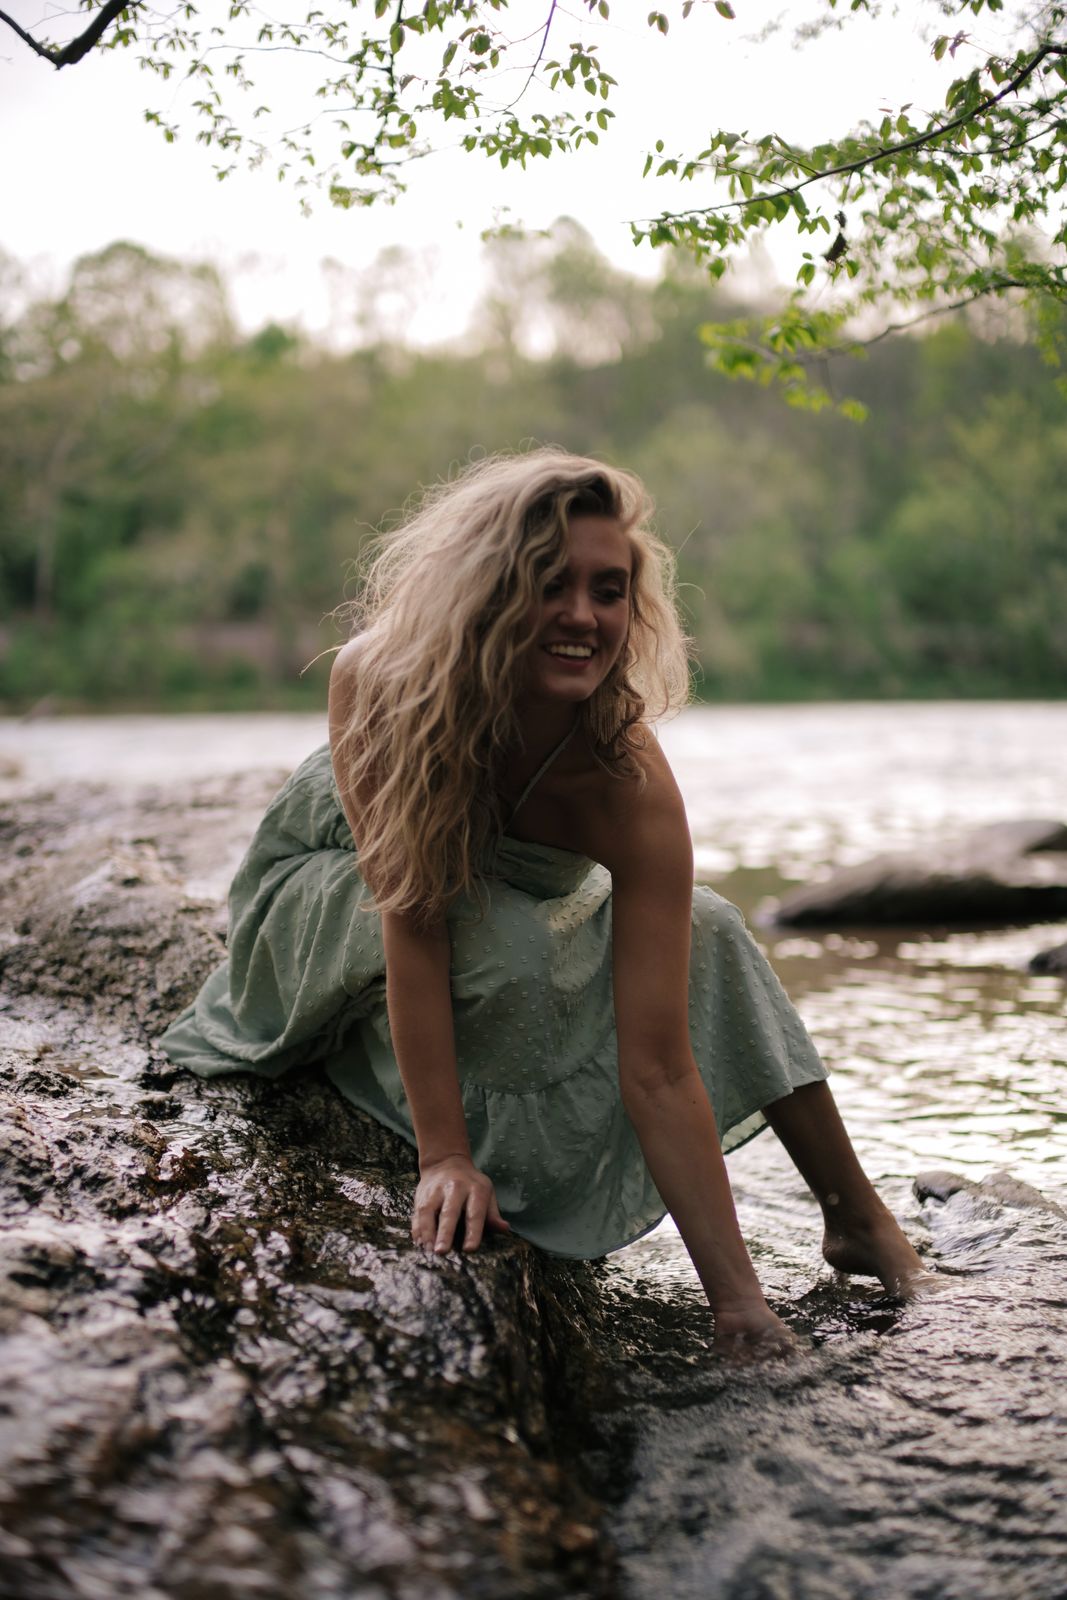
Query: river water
x=910 y=1453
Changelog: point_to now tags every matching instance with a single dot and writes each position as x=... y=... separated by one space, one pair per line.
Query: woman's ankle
x=861 y=1208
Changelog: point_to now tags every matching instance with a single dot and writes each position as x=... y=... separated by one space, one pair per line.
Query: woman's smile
x=572 y=655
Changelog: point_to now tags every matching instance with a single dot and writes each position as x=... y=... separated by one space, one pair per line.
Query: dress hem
x=396 y=1126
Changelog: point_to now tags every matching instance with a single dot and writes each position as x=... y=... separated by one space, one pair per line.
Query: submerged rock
x=1050 y=961
x=1007 y=872
x=228 y=1371
x=1002 y=1188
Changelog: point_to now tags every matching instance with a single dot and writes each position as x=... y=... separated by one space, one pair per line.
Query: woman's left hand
x=748 y=1334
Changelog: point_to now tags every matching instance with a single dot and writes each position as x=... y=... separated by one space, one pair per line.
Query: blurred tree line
x=181 y=505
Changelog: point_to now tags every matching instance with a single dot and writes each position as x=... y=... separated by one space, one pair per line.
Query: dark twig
x=544 y=41
x=72 y=53
x=398 y=22
x=924 y=316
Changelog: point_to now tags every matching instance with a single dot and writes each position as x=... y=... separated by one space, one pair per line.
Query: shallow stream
x=916 y=1452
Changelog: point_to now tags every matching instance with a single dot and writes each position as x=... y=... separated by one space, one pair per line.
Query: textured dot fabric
x=532 y=1002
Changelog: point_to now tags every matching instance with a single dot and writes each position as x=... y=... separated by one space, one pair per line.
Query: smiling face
x=584 y=613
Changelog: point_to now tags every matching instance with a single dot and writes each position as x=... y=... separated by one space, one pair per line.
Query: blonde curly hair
x=445 y=618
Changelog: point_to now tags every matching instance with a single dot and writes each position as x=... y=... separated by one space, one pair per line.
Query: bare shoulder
x=345 y=668
x=343 y=680
x=636 y=824
x=344 y=675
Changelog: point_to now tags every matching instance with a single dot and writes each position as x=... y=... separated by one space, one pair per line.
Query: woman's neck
x=544 y=722
x=542 y=728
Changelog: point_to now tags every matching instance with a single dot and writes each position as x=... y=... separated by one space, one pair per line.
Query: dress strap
x=542 y=769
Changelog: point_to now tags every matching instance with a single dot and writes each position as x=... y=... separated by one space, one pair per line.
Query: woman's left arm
x=651 y=863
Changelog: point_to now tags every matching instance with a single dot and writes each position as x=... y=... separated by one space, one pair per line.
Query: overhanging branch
x=884 y=152
x=70 y=54
x=997 y=286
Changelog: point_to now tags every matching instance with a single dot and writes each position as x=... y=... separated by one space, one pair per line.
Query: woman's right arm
x=419 y=1001
x=418 y=995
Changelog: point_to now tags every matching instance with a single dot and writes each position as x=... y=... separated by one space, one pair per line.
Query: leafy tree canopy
x=910 y=213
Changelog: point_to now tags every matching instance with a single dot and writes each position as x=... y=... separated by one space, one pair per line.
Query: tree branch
x=70 y=54
x=398 y=22
x=886 y=151
x=544 y=40
x=891 y=328
x=847 y=347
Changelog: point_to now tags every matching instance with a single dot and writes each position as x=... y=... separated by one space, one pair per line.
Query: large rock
x=227 y=1370
x=1010 y=872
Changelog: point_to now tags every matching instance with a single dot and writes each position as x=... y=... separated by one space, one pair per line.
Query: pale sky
x=81 y=168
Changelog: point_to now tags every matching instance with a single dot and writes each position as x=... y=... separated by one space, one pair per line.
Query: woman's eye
x=555 y=586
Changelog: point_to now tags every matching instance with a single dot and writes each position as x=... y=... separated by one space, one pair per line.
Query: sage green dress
x=532 y=1001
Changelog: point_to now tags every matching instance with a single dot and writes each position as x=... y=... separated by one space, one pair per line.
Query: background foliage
x=180 y=506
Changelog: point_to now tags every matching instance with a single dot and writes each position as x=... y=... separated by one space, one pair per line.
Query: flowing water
x=914 y=1452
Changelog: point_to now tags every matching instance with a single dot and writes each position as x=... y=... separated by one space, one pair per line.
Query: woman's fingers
x=477 y=1206
x=749 y=1348
x=443 y=1204
x=482 y=1213
x=424 y=1220
x=448 y=1221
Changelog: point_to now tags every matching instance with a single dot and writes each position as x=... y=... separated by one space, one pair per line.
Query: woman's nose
x=578 y=610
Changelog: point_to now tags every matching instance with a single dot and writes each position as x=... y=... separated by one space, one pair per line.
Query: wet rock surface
x=1006 y=872
x=228 y=1372
x=912 y=1453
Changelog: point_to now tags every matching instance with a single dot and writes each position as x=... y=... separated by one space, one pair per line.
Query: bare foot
x=875 y=1247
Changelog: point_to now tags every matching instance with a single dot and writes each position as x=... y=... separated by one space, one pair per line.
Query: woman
x=519 y=976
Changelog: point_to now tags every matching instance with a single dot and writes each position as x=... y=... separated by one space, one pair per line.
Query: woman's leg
x=861 y=1234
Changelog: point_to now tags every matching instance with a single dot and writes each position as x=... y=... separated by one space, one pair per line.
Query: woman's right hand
x=450 y=1190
